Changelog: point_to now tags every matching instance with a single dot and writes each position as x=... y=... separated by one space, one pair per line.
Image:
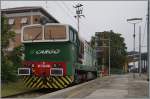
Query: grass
x=13 y=88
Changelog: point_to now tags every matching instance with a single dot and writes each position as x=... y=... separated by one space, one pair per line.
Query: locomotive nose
x=42 y=70
x=43 y=74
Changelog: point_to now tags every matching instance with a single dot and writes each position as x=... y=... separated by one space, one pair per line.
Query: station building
x=21 y=16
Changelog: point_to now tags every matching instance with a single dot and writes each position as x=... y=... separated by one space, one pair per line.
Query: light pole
x=140 y=51
x=148 y=39
x=108 y=52
x=134 y=21
x=109 y=56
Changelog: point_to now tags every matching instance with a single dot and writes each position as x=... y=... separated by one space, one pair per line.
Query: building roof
x=27 y=9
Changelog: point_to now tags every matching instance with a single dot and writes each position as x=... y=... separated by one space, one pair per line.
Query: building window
x=36 y=20
x=24 y=20
x=11 y=21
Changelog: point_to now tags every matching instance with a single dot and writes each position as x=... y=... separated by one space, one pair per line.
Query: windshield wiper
x=50 y=35
x=36 y=36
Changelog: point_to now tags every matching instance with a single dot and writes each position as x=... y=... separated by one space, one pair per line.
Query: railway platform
x=114 y=86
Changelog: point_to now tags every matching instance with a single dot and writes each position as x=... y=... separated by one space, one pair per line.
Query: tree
x=16 y=57
x=92 y=42
x=118 y=49
x=6 y=35
x=7 y=68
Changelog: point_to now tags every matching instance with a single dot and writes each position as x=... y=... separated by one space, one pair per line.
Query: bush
x=10 y=64
x=8 y=70
x=116 y=71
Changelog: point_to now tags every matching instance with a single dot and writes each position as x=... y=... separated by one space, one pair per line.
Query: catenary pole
x=79 y=10
x=139 y=50
x=148 y=38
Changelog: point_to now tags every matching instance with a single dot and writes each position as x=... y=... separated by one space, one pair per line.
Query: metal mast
x=148 y=38
x=139 y=50
x=79 y=10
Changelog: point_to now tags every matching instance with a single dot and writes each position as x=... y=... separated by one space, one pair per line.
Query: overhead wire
x=62 y=8
x=67 y=7
x=67 y=10
x=68 y=14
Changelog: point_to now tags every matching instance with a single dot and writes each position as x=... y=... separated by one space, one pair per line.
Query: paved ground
x=115 y=86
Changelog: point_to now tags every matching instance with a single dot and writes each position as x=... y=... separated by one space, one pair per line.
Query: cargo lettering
x=53 y=51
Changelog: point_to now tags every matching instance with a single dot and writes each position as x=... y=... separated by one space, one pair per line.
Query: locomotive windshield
x=32 y=33
x=55 y=32
x=48 y=32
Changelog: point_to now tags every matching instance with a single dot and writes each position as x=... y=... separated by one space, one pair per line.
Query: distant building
x=20 y=16
x=102 y=44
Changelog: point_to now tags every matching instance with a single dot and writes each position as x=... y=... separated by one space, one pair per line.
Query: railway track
x=37 y=92
x=31 y=94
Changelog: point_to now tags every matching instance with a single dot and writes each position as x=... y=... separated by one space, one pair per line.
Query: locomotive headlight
x=38 y=66
x=48 y=65
x=54 y=65
x=33 y=66
x=59 y=65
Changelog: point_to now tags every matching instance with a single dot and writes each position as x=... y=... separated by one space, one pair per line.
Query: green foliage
x=118 y=49
x=6 y=35
x=16 y=57
x=116 y=71
x=10 y=60
x=8 y=72
x=92 y=42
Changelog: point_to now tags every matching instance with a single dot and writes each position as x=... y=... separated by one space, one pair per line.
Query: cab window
x=55 y=32
x=32 y=33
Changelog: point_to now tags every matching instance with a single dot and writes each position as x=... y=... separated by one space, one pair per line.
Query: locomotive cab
x=51 y=51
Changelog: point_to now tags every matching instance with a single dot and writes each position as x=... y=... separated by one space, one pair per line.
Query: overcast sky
x=99 y=16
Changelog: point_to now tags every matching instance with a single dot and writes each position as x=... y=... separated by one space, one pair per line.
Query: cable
x=67 y=7
x=68 y=14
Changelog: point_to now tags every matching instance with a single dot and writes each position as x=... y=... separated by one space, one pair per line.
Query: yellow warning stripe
x=44 y=86
x=36 y=83
x=28 y=82
x=30 y=85
x=65 y=80
x=49 y=85
x=58 y=84
x=40 y=84
x=33 y=81
x=69 y=79
x=27 y=78
x=54 y=85
x=47 y=78
x=60 y=80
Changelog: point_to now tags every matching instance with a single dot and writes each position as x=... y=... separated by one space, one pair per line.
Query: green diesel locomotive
x=55 y=56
